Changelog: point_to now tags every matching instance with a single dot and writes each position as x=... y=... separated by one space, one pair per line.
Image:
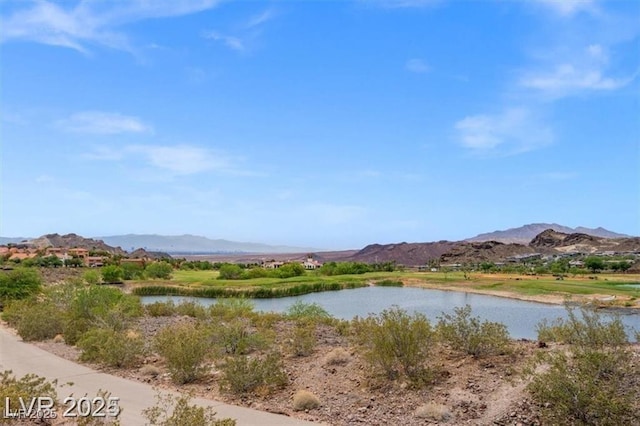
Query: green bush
x=92 y=277
x=176 y=411
x=161 y=309
x=588 y=387
x=236 y=337
x=230 y=308
x=396 y=343
x=301 y=310
x=19 y=283
x=112 y=274
x=242 y=374
x=191 y=309
x=101 y=307
x=40 y=322
x=112 y=348
x=230 y=271
x=469 y=335
x=589 y=329
x=302 y=340
x=185 y=348
x=159 y=270
x=132 y=271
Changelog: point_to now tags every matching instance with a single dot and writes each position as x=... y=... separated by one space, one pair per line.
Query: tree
x=230 y=271
x=594 y=263
x=159 y=270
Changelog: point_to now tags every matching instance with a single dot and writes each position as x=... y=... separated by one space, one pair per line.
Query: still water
x=520 y=317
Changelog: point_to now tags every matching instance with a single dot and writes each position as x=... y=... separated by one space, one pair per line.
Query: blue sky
x=330 y=124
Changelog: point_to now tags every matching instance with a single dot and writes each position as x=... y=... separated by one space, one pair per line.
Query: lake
x=519 y=316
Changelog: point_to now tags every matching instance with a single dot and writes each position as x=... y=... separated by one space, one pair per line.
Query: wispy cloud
x=182 y=159
x=260 y=19
x=568 y=7
x=106 y=123
x=234 y=43
x=417 y=65
x=78 y=25
x=585 y=70
x=513 y=131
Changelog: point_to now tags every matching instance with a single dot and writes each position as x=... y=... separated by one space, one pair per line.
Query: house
x=272 y=264
x=311 y=264
x=94 y=261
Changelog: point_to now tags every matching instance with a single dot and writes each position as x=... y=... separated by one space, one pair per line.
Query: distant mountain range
x=524 y=234
x=193 y=244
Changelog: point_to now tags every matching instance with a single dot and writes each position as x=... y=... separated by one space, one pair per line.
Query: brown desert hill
x=485 y=251
x=583 y=243
x=73 y=241
x=409 y=254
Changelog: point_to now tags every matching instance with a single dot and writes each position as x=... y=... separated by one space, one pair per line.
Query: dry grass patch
x=433 y=411
x=338 y=356
x=150 y=370
x=305 y=400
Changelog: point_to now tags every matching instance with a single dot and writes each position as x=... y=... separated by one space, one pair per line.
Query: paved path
x=23 y=358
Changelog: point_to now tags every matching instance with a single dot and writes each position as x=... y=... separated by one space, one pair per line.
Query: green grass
x=206 y=284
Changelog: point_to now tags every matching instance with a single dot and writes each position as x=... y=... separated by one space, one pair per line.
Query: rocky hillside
x=402 y=253
x=485 y=251
x=580 y=242
x=73 y=241
x=524 y=234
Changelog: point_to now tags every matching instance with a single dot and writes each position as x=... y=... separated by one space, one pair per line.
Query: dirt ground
x=465 y=391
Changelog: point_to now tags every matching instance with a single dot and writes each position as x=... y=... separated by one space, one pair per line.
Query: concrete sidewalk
x=23 y=358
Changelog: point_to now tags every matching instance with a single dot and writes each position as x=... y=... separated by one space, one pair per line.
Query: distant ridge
x=524 y=234
x=194 y=244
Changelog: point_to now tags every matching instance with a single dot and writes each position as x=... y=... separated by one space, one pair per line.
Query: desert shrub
x=112 y=348
x=301 y=309
x=101 y=307
x=242 y=374
x=337 y=356
x=92 y=277
x=177 y=411
x=305 y=400
x=132 y=271
x=302 y=340
x=589 y=329
x=19 y=283
x=191 y=309
x=16 y=309
x=150 y=370
x=185 y=348
x=588 y=386
x=236 y=337
x=27 y=387
x=469 y=335
x=396 y=343
x=230 y=271
x=231 y=308
x=433 y=411
x=112 y=274
x=161 y=309
x=40 y=321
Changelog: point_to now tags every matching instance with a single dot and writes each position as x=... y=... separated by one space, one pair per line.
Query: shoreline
x=548 y=299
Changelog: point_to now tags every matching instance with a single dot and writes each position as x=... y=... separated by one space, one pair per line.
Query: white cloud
x=567 y=8
x=566 y=79
x=257 y=20
x=182 y=159
x=107 y=123
x=231 y=42
x=77 y=25
x=514 y=131
x=417 y=66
